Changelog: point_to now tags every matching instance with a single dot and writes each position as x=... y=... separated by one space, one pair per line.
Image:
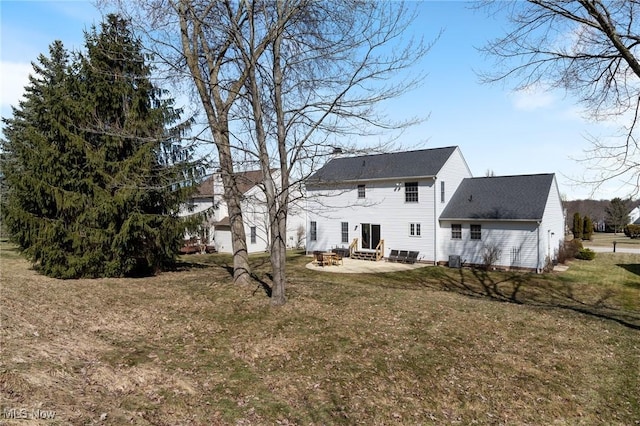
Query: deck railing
x=353 y=247
x=380 y=250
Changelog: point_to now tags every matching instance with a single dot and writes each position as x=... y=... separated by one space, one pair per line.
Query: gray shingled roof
x=521 y=197
x=421 y=163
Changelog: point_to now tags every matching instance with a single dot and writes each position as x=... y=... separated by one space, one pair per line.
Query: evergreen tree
x=577 y=226
x=588 y=228
x=95 y=176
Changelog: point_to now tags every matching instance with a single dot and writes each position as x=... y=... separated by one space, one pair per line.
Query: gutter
x=390 y=179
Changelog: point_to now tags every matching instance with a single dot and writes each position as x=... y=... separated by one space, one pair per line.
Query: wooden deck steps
x=364 y=255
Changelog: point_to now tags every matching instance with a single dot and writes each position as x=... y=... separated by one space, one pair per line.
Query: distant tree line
x=605 y=215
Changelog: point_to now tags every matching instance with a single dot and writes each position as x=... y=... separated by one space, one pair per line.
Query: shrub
x=568 y=250
x=490 y=255
x=586 y=254
x=632 y=231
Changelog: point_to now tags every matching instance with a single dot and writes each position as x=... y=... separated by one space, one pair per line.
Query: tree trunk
x=194 y=39
x=233 y=197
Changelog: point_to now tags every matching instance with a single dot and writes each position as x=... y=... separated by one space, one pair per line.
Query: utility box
x=455 y=261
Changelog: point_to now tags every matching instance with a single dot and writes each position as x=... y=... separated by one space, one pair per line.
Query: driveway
x=620 y=248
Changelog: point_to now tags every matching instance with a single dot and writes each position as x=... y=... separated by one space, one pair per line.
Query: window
x=313 y=231
x=414 y=229
x=361 y=191
x=456 y=232
x=476 y=232
x=411 y=192
x=345 y=232
x=442 y=191
x=253 y=235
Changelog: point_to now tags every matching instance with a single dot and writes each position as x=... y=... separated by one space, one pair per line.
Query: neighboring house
x=634 y=216
x=415 y=201
x=216 y=227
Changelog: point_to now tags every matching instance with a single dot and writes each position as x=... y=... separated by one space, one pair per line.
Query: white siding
x=553 y=224
x=452 y=174
x=512 y=238
x=384 y=205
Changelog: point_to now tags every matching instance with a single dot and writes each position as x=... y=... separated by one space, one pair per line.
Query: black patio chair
x=402 y=256
x=412 y=257
x=393 y=256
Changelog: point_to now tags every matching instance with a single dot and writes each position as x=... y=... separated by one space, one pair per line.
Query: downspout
x=435 y=223
x=538 y=250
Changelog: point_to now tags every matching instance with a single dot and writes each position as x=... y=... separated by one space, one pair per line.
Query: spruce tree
x=577 y=226
x=106 y=172
x=588 y=228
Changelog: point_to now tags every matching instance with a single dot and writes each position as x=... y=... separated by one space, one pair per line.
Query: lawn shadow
x=530 y=289
x=634 y=268
x=258 y=264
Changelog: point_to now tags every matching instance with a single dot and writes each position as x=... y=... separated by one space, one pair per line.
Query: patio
x=353 y=266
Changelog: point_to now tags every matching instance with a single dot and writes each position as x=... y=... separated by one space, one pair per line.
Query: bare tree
x=291 y=75
x=320 y=76
x=589 y=48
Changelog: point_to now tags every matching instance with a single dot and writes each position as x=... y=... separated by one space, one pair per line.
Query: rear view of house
x=383 y=202
x=426 y=201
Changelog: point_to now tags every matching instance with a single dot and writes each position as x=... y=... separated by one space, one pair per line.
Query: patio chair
x=318 y=258
x=402 y=256
x=412 y=257
x=393 y=256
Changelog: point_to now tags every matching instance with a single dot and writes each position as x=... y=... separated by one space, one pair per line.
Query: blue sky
x=497 y=129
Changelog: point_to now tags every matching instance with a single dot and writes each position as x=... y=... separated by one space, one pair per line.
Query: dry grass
x=431 y=346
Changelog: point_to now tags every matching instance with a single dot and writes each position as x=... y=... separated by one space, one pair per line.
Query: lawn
x=429 y=346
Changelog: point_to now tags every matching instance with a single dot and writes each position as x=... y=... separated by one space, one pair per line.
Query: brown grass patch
x=428 y=346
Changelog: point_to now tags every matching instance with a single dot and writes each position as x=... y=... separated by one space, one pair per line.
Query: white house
x=427 y=201
x=634 y=216
x=215 y=230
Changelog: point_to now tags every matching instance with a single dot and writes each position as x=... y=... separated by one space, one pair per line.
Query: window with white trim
x=411 y=192
x=456 y=231
x=344 y=231
x=361 y=191
x=414 y=230
x=254 y=234
x=442 y=191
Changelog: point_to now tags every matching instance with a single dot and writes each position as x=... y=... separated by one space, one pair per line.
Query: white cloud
x=532 y=98
x=15 y=76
